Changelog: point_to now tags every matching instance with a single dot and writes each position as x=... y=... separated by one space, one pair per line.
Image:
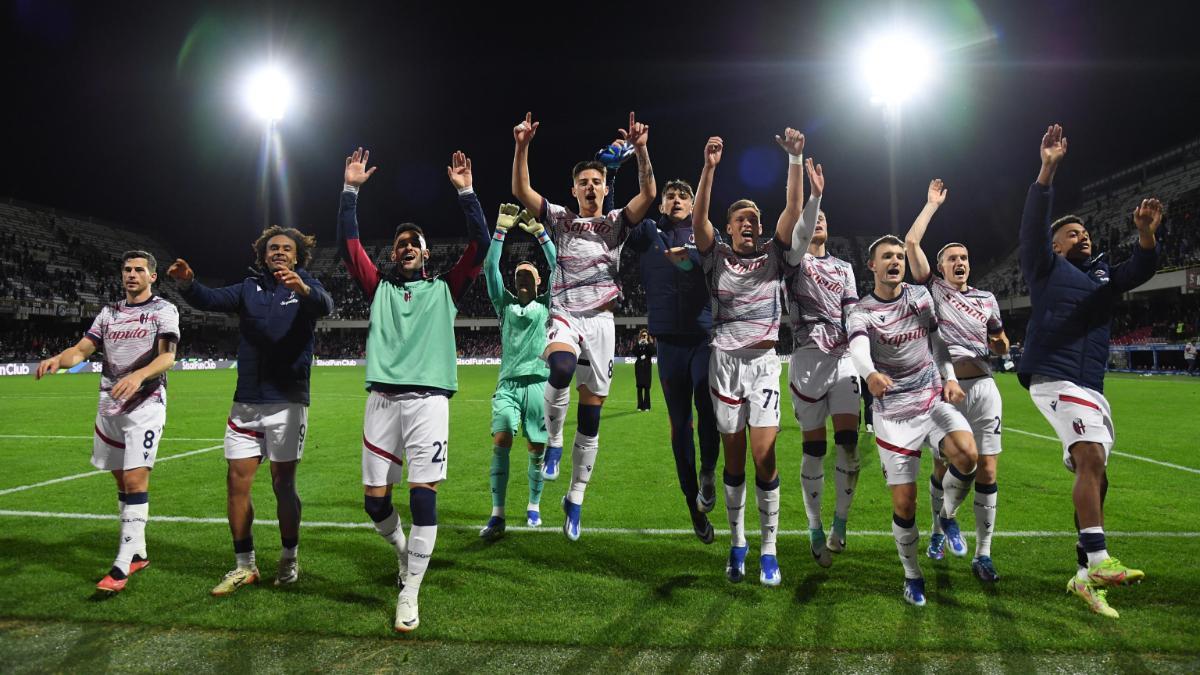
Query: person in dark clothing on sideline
x=642 y=367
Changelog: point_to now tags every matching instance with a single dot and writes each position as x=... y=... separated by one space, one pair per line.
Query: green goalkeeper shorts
x=518 y=404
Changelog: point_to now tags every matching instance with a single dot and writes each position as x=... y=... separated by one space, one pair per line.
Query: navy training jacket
x=275 y=351
x=1071 y=318
x=677 y=301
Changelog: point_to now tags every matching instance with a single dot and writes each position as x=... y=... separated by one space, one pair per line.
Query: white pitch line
x=21 y=488
x=1035 y=534
x=1115 y=452
x=79 y=438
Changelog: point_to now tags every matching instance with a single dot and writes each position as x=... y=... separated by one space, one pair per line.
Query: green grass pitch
x=616 y=599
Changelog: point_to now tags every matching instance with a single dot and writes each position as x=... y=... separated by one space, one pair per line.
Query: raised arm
x=355 y=257
x=702 y=228
x=638 y=135
x=491 y=264
x=523 y=134
x=530 y=224
x=467 y=268
x=1143 y=264
x=792 y=143
x=612 y=156
x=1035 y=252
x=225 y=299
x=918 y=263
x=802 y=231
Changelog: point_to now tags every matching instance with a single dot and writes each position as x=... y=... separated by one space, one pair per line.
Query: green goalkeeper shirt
x=522 y=327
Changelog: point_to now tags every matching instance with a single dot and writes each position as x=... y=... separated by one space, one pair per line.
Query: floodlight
x=268 y=93
x=895 y=66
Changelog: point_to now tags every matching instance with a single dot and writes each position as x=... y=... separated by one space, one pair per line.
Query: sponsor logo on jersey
x=599 y=226
x=128 y=334
x=828 y=284
x=906 y=336
x=955 y=299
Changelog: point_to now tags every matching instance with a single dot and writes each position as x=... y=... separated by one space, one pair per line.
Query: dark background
x=132 y=113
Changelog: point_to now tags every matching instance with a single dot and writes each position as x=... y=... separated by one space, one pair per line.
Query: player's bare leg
x=134 y=503
x=904 y=530
x=1091 y=482
x=734 y=446
x=240 y=510
x=287 y=510
x=958 y=447
x=766 y=483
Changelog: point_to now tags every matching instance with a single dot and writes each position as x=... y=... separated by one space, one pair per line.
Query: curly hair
x=305 y=243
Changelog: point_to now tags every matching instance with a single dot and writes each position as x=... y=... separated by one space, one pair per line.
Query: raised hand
x=952 y=392
x=180 y=271
x=937 y=192
x=459 y=170
x=1148 y=216
x=507 y=217
x=1054 y=145
x=712 y=151
x=792 y=141
x=523 y=133
x=879 y=384
x=816 y=176
x=529 y=223
x=47 y=367
x=128 y=386
x=637 y=134
x=357 y=172
x=292 y=281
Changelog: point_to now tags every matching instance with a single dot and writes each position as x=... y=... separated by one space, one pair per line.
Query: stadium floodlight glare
x=895 y=65
x=268 y=92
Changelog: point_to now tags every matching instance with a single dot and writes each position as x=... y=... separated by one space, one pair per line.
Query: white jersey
x=899 y=332
x=747 y=294
x=589 y=257
x=821 y=290
x=128 y=335
x=966 y=318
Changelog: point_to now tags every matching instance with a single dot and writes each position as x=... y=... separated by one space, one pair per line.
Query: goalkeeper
x=520 y=393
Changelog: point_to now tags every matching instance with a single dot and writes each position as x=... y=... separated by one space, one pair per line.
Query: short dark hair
x=407 y=227
x=952 y=244
x=742 y=204
x=150 y=261
x=885 y=239
x=305 y=243
x=1064 y=221
x=588 y=164
x=679 y=185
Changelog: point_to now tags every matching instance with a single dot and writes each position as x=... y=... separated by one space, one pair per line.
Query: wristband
x=795 y=159
x=346 y=187
x=465 y=191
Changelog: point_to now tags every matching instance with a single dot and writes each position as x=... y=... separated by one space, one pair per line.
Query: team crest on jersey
x=142 y=318
x=1101 y=275
x=1077 y=425
x=407 y=296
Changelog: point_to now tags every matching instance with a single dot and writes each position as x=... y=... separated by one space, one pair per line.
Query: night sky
x=131 y=112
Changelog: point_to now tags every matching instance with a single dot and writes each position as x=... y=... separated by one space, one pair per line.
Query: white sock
x=768 y=516
x=735 y=509
x=583 y=458
x=985 y=520
x=956 y=490
x=289 y=552
x=245 y=560
x=846 y=479
x=936 y=496
x=812 y=479
x=389 y=528
x=907 y=540
x=1095 y=557
x=557 y=401
x=420 y=549
x=133 y=534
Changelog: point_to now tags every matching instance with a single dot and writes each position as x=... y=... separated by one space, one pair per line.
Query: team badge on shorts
x=1077 y=425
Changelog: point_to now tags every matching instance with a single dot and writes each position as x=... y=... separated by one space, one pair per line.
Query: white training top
x=589 y=257
x=747 y=294
x=128 y=335
x=965 y=318
x=821 y=290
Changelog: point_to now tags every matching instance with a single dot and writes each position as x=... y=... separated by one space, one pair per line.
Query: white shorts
x=592 y=336
x=821 y=385
x=1076 y=413
x=266 y=431
x=410 y=426
x=983 y=409
x=900 y=441
x=124 y=442
x=745 y=388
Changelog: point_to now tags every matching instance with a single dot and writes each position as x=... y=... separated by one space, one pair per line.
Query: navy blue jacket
x=677 y=301
x=1071 y=318
x=276 y=348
